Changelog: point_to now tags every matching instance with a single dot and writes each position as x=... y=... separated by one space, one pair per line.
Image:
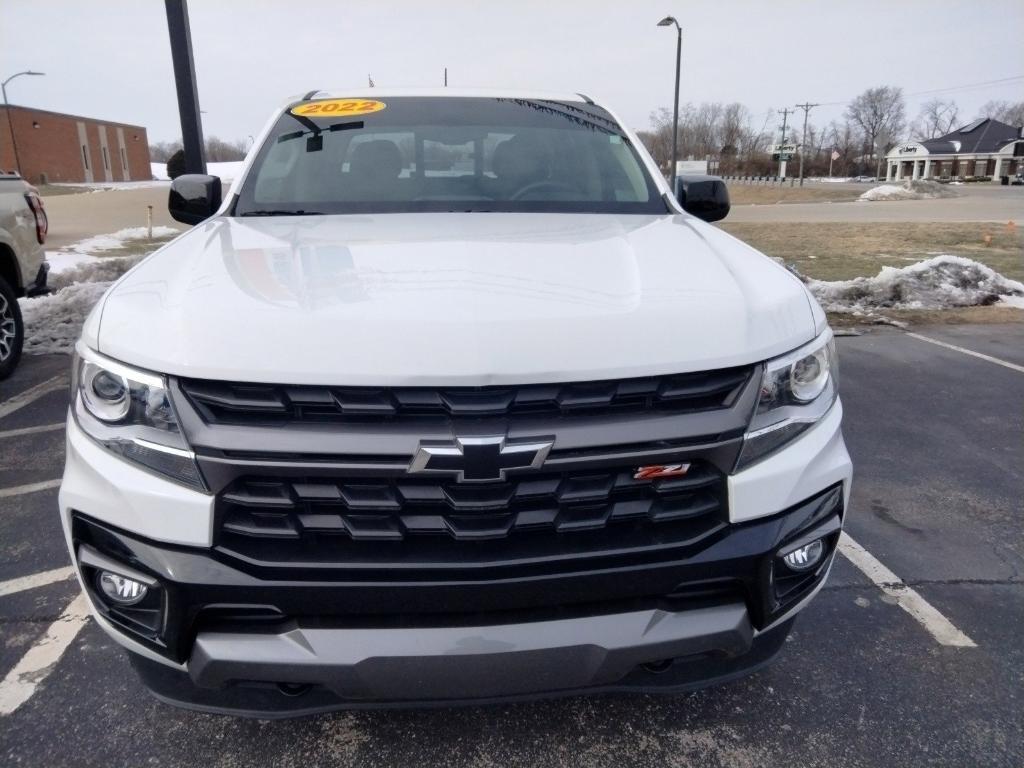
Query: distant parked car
x=23 y=268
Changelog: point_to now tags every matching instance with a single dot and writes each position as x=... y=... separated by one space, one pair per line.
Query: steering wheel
x=544 y=183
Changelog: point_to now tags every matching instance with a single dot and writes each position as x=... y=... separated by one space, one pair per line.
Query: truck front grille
x=242 y=404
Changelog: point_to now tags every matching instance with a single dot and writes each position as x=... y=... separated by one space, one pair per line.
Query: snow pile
x=94 y=271
x=53 y=323
x=116 y=240
x=919 y=189
x=79 y=278
x=937 y=283
x=228 y=171
x=81 y=254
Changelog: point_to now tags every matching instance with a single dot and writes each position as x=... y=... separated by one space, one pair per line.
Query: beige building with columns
x=985 y=147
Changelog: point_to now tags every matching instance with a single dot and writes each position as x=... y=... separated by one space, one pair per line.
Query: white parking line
x=32 y=430
x=971 y=352
x=33 y=393
x=35 y=580
x=20 y=490
x=38 y=662
x=927 y=616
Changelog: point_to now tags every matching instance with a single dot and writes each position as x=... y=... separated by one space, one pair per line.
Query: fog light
x=121 y=590
x=806 y=557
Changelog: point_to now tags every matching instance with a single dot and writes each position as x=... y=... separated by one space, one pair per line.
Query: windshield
x=409 y=154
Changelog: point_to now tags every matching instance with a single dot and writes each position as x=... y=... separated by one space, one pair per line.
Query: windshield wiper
x=282 y=212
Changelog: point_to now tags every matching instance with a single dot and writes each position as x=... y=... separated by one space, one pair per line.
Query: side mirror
x=194 y=197
x=706 y=197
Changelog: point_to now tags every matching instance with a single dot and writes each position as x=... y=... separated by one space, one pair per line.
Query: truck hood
x=459 y=298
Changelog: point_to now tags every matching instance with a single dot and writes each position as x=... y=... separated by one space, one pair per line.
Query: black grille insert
x=252 y=512
x=237 y=403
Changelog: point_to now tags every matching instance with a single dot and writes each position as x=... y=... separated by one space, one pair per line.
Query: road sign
x=787 y=148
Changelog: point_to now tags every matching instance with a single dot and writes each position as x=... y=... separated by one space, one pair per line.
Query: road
x=978 y=203
x=935 y=435
x=75 y=217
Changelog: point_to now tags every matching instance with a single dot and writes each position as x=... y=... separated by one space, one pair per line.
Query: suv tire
x=12 y=330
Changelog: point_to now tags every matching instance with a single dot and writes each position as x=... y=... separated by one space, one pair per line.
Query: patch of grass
x=840 y=250
x=954 y=316
x=53 y=190
x=761 y=194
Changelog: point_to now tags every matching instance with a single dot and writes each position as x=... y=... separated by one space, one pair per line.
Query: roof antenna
x=446 y=77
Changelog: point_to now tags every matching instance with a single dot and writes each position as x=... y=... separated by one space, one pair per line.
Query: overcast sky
x=110 y=59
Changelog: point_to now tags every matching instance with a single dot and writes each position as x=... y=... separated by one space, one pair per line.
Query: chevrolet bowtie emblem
x=479 y=459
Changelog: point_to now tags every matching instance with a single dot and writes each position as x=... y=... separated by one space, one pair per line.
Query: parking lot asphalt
x=937 y=438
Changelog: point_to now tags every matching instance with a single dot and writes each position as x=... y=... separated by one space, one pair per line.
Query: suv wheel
x=12 y=330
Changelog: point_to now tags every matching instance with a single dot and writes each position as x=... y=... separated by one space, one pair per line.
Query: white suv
x=451 y=398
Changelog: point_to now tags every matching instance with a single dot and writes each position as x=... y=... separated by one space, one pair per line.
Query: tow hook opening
x=657 y=667
x=293 y=689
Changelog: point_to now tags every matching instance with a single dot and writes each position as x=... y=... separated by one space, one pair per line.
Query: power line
x=966 y=87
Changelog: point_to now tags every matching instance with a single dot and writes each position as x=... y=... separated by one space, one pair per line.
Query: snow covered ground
x=79 y=274
x=920 y=189
x=941 y=282
x=227 y=171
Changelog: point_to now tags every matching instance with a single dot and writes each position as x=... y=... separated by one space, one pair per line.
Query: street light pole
x=667 y=22
x=7 y=111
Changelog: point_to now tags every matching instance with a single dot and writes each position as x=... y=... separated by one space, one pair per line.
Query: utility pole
x=803 y=142
x=185 y=82
x=782 y=154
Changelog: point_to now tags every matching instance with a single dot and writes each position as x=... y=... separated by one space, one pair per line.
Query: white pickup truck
x=23 y=267
x=451 y=398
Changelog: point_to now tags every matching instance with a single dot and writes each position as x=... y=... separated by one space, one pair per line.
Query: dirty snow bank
x=82 y=251
x=79 y=278
x=53 y=323
x=920 y=189
x=941 y=282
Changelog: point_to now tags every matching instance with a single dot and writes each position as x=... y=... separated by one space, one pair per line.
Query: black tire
x=10 y=321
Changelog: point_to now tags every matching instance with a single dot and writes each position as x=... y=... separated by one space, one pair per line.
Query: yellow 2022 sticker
x=337 y=107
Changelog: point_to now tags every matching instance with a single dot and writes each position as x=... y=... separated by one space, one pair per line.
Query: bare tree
x=220 y=151
x=936 y=118
x=881 y=116
x=1011 y=113
x=161 y=151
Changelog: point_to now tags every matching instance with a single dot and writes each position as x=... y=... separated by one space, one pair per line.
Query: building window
x=106 y=159
x=981 y=168
x=85 y=156
x=124 y=159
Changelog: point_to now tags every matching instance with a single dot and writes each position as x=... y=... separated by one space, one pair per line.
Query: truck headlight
x=797 y=390
x=129 y=413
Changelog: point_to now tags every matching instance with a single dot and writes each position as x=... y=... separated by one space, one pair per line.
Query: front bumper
x=228 y=637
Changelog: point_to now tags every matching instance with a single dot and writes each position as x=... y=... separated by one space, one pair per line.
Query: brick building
x=54 y=147
x=983 y=148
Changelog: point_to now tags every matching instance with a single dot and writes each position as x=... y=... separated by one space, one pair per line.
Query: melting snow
x=53 y=323
x=920 y=189
x=940 y=282
x=79 y=277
